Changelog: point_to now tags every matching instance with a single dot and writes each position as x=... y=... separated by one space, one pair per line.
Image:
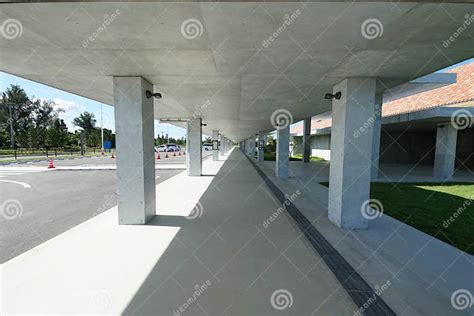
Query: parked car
x=206 y=147
x=168 y=148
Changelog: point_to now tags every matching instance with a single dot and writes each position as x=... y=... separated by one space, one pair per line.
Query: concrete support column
x=215 y=140
x=306 y=139
x=377 y=129
x=248 y=150
x=445 y=152
x=223 y=145
x=282 y=152
x=350 y=169
x=261 y=147
x=194 y=147
x=253 y=146
x=134 y=126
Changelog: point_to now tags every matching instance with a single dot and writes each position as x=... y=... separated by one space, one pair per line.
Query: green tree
x=16 y=109
x=57 y=134
x=86 y=121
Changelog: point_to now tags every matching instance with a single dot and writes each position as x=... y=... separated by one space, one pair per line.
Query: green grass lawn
x=444 y=211
x=297 y=157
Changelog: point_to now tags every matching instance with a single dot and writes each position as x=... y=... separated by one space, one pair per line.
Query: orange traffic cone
x=179 y=153
x=166 y=155
x=184 y=153
x=174 y=154
x=51 y=164
x=113 y=156
x=158 y=156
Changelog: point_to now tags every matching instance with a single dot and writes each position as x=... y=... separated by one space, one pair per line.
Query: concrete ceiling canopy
x=232 y=63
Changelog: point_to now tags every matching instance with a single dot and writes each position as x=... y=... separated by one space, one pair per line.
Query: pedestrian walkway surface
x=423 y=273
x=319 y=172
x=219 y=245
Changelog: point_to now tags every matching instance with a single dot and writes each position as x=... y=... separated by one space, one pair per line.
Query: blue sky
x=74 y=104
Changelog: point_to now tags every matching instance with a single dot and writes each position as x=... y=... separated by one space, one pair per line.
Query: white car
x=206 y=147
x=168 y=148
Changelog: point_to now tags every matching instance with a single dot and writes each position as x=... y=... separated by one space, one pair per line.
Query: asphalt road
x=55 y=202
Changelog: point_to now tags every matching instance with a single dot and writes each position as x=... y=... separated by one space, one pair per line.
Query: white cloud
x=71 y=110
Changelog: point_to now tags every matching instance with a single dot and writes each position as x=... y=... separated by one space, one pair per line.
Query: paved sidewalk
x=208 y=252
x=423 y=271
x=389 y=172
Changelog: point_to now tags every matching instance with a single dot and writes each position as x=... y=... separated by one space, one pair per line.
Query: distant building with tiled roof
x=457 y=94
x=411 y=123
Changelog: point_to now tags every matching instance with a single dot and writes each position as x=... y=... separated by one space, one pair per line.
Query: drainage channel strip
x=357 y=288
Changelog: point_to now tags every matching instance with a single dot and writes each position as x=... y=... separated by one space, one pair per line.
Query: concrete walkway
x=388 y=172
x=212 y=250
x=423 y=271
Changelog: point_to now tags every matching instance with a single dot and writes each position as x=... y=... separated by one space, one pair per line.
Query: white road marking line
x=25 y=185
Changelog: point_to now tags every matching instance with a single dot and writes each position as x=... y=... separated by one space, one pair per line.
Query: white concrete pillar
x=377 y=129
x=248 y=146
x=134 y=126
x=350 y=168
x=306 y=139
x=194 y=147
x=261 y=147
x=282 y=152
x=253 y=146
x=215 y=141
x=445 y=152
x=222 y=148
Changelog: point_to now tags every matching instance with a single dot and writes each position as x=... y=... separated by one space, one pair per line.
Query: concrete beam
x=377 y=129
x=134 y=126
x=445 y=152
x=282 y=152
x=194 y=147
x=349 y=176
x=306 y=139
x=215 y=139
